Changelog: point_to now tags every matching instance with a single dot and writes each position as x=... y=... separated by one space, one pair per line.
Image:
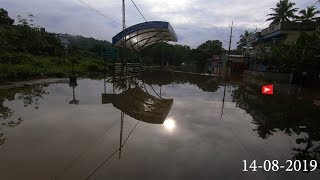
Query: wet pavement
x=58 y=131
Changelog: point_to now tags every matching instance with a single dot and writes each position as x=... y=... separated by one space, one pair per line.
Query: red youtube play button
x=268 y=89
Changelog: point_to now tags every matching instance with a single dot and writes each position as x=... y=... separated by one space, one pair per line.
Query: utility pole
x=124 y=61
x=231 y=29
x=228 y=61
x=123 y=15
x=123 y=53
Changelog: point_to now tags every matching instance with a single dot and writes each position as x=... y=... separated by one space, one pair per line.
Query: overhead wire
x=139 y=10
x=97 y=11
x=316 y=2
x=109 y=157
x=251 y=13
x=309 y=3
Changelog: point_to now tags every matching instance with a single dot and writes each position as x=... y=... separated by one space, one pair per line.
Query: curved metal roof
x=145 y=34
x=140 y=105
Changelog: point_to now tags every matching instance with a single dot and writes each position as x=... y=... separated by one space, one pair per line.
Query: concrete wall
x=292 y=36
x=271 y=76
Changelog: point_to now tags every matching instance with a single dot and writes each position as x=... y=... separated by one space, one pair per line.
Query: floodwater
x=170 y=125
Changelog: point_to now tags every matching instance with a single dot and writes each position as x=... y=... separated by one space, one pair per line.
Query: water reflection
x=144 y=105
x=135 y=97
x=29 y=96
x=161 y=78
x=285 y=113
x=140 y=105
x=135 y=101
x=169 y=124
x=289 y=114
x=73 y=84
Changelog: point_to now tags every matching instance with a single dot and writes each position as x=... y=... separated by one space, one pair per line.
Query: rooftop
x=145 y=34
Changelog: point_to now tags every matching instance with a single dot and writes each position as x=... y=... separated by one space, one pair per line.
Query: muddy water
x=171 y=126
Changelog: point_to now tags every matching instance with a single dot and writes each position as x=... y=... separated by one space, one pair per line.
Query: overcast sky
x=194 y=21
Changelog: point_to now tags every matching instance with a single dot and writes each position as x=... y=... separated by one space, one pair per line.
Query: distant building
x=237 y=63
x=215 y=64
x=64 y=40
x=284 y=32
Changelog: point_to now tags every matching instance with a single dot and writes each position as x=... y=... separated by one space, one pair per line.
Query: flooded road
x=158 y=126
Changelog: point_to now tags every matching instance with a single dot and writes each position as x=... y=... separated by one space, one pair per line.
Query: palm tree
x=283 y=12
x=243 y=38
x=309 y=14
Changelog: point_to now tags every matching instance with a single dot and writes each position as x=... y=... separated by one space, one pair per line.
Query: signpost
x=110 y=53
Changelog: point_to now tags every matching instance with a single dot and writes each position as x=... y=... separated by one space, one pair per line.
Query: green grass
x=16 y=66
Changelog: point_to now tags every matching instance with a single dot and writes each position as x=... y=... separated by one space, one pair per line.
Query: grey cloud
x=194 y=21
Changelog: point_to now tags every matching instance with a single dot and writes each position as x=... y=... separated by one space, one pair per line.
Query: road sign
x=110 y=53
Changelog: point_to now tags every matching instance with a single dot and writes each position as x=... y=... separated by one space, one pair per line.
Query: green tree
x=283 y=12
x=306 y=50
x=242 y=41
x=243 y=38
x=309 y=14
x=27 y=22
x=211 y=47
x=4 y=18
x=162 y=52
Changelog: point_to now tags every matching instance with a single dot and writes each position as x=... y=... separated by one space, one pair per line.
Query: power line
x=310 y=3
x=139 y=10
x=317 y=1
x=113 y=152
x=93 y=9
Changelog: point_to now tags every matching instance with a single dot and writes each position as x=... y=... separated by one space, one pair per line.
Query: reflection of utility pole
x=223 y=99
x=104 y=81
x=74 y=100
x=123 y=53
x=121 y=130
x=105 y=86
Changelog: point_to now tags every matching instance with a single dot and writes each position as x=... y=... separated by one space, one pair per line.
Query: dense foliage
x=283 y=12
x=175 y=55
x=286 y=12
x=28 y=51
x=308 y=14
x=306 y=51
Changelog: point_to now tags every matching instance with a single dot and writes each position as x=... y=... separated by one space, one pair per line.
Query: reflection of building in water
x=29 y=96
x=136 y=103
x=140 y=105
